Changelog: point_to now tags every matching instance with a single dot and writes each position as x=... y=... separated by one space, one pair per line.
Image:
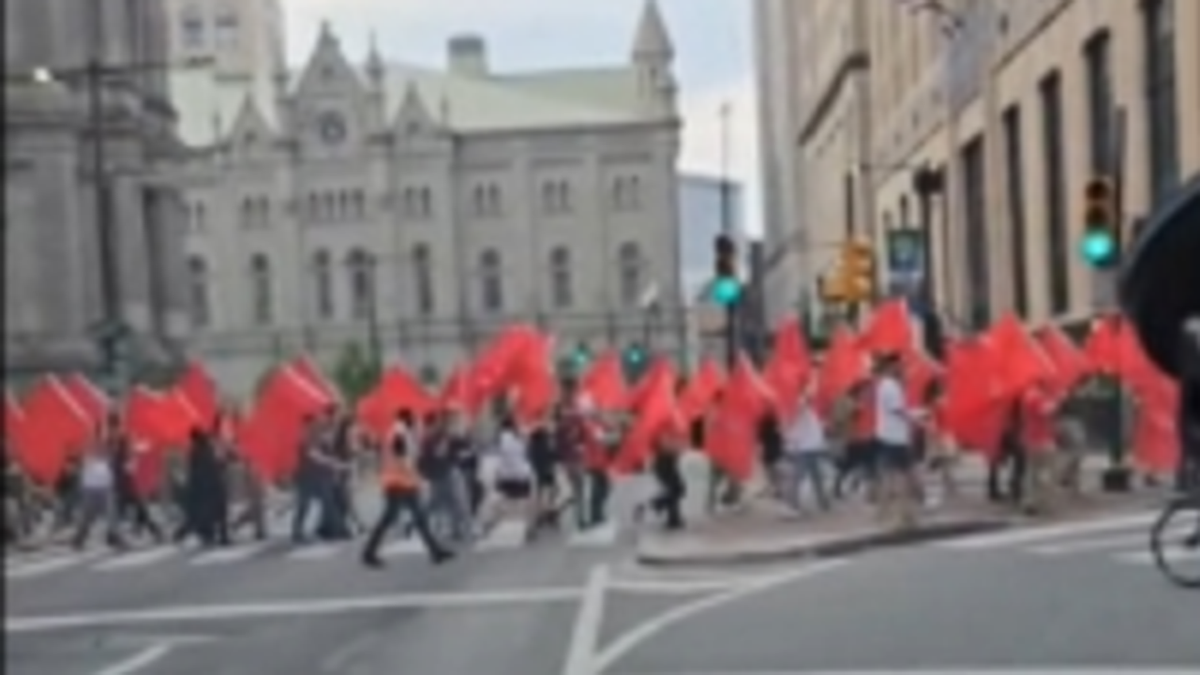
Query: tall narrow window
x=198 y=297
x=631 y=270
x=423 y=279
x=561 y=291
x=227 y=28
x=1058 y=261
x=848 y=199
x=192 y=28
x=361 y=268
x=491 y=281
x=1162 y=99
x=262 y=296
x=975 y=243
x=480 y=200
x=1097 y=55
x=323 y=284
x=1014 y=168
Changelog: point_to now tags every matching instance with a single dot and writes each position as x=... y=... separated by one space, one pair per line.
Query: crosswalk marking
x=314 y=552
x=137 y=558
x=406 y=546
x=227 y=555
x=1173 y=555
x=506 y=535
x=601 y=535
x=1033 y=535
x=1085 y=545
x=49 y=565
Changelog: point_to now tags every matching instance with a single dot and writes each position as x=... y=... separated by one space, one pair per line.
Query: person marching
x=401 y=486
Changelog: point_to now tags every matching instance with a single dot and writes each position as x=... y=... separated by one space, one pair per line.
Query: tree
x=356 y=372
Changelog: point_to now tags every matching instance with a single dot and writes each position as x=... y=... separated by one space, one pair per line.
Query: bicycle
x=1173 y=547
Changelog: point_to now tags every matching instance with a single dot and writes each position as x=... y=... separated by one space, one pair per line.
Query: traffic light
x=857 y=271
x=581 y=356
x=635 y=358
x=1100 y=245
x=726 y=287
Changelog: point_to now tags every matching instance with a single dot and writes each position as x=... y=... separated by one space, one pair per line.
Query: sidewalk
x=768 y=532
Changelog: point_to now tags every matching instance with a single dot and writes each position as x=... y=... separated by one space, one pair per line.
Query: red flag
x=1101 y=346
x=201 y=392
x=397 y=390
x=657 y=414
x=532 y=380
x=888 y=330
x=604 y=383
x=56 y=427
x=844 y=366
x=1070 y=364
x=701 y=390
x=306 y=368
x=89 y=397
x=1020 y=363
x=790 y=365
x=160 y=419
x=732 y=436
x=286 y=400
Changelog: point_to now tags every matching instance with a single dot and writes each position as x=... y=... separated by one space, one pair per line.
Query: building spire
x=651 y=40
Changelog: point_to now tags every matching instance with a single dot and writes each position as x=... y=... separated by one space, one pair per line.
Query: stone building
x=52 y=231
x=1013 y=101
x=413 y=211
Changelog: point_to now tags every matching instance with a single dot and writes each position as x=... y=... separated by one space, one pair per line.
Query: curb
x=834 y=547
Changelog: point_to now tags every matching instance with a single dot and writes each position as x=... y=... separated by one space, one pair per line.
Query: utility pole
x=726 y=197
x=1118 y=476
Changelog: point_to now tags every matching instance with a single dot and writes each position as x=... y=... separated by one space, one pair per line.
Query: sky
x=714 y=57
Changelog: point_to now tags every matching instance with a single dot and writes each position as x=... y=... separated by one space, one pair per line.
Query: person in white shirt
x=806 y=450
x=512 y=474
x=894 y=421
x=97 y=491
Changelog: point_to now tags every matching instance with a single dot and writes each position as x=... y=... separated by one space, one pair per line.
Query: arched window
x=361 y=267
x=247 y=215
x=563 y=191
x=561 y=291
x=549 y=198
x=423 y=279
x=429 y=375
x=905 y=216
x=264 y=211
x=262 y=300
x=358 y=204
x=193 y=28
x=491 y=281
x=426 y=203
x=314 y=206
x=494 y=205
x=328 y=206
x=480 y=198
x=198 y=299
x=888 y=223
x=227 y=28
x=631 y=269
x=323 y=284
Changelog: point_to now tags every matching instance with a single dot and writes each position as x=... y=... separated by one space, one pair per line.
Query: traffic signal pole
x=1118 y=476
x=727 y=229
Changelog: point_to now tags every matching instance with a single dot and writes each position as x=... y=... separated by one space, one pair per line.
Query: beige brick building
x=1009 y=98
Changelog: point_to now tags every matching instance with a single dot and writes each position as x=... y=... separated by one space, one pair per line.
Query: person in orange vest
x=401 y=485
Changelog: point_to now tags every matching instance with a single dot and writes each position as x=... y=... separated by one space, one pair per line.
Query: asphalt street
x=501 y=611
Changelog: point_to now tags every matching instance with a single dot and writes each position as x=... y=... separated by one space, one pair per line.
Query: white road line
x=49 y=565
x=507 y=534
x=969 y=670
x=1032 y=670
x=1034 y=535
x=675 y=587
x=231 y=554
x=1086 y=545
x=585 y=635
x=403 y=547
x=292 y=608
x=639 y=634
x=595 y=537
x=1146 y=557
x=134 y=559
x=138 y=661
x=314 y=552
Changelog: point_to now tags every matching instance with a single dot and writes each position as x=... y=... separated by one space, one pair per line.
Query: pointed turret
x=651 y=42
x=375 y=67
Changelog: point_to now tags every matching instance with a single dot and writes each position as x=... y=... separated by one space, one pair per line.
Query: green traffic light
x=725 y=291
x=1099 y=248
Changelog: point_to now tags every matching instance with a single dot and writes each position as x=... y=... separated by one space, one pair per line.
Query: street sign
x=905 y=261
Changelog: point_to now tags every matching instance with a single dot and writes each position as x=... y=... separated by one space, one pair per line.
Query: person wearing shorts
x=513 y=480
x=894 y=435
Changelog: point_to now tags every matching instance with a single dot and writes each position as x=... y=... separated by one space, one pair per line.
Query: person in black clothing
x=770 y=444
x=401 y=494
x=340 y=519
x=205 y=493
x=446 y=500
x=1011 y=458
x=466 y=459
x=545 y=461
x=672 y=488
x=130 y=504
x=1188 y=475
